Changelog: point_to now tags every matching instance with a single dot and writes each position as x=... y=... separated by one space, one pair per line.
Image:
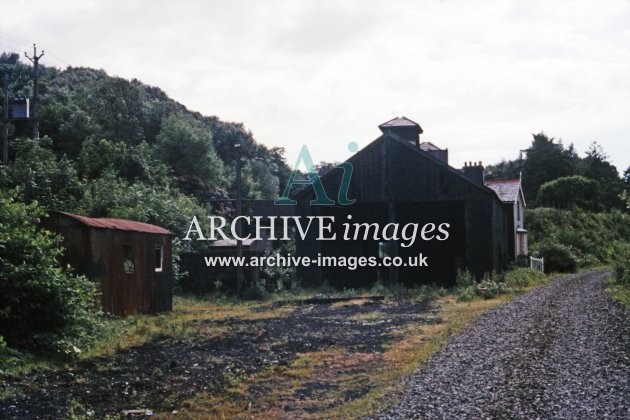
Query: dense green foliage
x=42 y=305
x=587 y=238
x=109 y=147
x=112 y=147
x=80 y=107
x=570 y=191
x=554 y=175
x=622 y=268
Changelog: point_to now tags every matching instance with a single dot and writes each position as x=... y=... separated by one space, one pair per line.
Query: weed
x=466 y=294
x=464 y=279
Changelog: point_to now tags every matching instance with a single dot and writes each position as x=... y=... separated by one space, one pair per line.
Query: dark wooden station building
x=130 y=261
x=398 y=179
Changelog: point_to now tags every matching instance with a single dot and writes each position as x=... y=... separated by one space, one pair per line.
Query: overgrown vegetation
x=44 y=307
x=569 y=239
x=554 y=175
x=620 y=284
x=110 y=147
x=492 y=285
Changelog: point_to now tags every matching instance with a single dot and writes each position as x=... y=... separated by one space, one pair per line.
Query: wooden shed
x=130 y=261
x=395 y=180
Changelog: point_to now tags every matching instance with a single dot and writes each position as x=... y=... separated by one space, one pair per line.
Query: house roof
x=413 y=149
x=117 y=224
x=427 y=145
x=400 y=122
x=507 y=189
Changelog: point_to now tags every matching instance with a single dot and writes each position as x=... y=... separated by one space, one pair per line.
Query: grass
x=332 y=382
x=137 y=330
x=333 y=373
x=619 y=283
x=184 y=321
x=316 y=384
x=620 y=293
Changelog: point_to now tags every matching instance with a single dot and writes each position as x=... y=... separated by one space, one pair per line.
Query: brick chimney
x=474 y=171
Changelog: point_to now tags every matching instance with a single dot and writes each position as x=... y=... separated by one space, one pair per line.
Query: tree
x=112 y=196
x=265 y=183
x=546 y=160
x=41 y=176
x=566 y=192
x=187 y=147
x=597 y=167
x=131 y=162
x=505 y=169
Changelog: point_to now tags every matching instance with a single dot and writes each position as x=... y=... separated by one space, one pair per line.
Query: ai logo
x=314 y=180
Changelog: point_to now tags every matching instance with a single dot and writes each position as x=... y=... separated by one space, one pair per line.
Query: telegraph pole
x=35 y=61
x=239 y=209
x=5 y=119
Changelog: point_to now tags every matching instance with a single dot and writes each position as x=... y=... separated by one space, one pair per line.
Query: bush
x=43 y=306
x=593 y=238
x=521 y=278
x=622 y=268
x=10 y=358
x=558 y=258
x=569 y=191
x=464 y=279
x=490 y=287
x=466 y=294
x=255 y=292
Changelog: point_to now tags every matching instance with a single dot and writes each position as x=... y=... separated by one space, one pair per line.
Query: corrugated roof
x=506 y=189
x=118 y=224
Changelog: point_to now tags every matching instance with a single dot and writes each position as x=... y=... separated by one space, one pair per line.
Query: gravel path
x=560 y=351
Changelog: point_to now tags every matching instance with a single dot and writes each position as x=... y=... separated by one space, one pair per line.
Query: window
x=158 y=255
x=518 y=210
x=128 y=264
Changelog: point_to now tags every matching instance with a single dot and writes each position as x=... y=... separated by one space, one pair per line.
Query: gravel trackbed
x=560 y=351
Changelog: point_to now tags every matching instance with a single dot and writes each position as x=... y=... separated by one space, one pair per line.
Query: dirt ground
x=294 y=361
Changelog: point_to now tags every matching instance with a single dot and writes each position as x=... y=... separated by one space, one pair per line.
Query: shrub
x=569 y=191
x=255 y=292
x=558 y=258
x=593 y=238
x=520 y=278
x=464 y=278
x=622 y=268
x=465 y=285
x=43 y=306
x=466 y=294
x=488 y=288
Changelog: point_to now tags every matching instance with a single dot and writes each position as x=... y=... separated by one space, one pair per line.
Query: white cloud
x=480 y=77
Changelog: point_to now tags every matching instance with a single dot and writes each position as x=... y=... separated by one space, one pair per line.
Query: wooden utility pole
x=35 y=61
x=5 y=119
x=240 y=277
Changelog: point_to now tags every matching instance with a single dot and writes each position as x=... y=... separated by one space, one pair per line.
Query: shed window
x=128 y=264
x=157 y=251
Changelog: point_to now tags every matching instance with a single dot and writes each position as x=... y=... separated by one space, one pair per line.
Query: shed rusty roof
x=506 y=189
x=118 y=224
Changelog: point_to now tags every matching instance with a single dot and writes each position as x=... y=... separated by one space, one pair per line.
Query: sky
x=480 y=77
